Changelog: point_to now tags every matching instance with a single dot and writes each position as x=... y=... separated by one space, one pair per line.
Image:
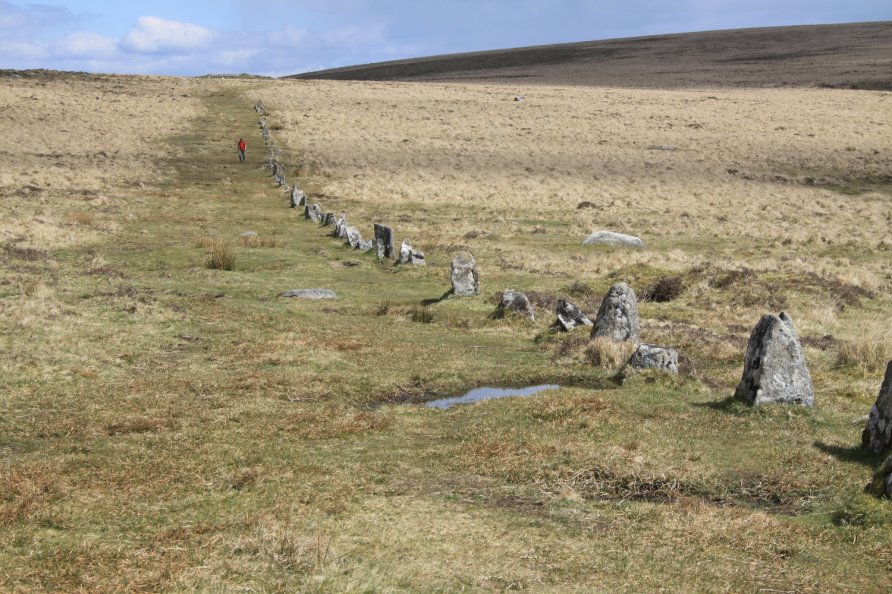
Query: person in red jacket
x=242 y=147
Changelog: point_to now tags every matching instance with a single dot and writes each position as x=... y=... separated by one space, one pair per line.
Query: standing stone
x=617 y=317
x=340 y=229
x=410 y=255
x=569 y=317
x=328 y=219
x=364 y=245
x=354 y=238
x=298 y=197
x=274 y=165
x=877 y=436
x=514 y=302
x=313 y=212
x=464 y=275
x=774 y=368
x=648 y=356
x=384 y=241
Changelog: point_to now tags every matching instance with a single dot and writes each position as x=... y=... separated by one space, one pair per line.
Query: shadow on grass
x=728 y=405
x=436 y=300
x=851 y=454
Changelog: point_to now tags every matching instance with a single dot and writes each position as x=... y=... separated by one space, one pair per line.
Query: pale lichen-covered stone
x=464 y=275
x=613 y=239
x=648 y=356
x=774 y=368
x=569 y=317
x=617 y=317
x=514 y=302
x=313 y=212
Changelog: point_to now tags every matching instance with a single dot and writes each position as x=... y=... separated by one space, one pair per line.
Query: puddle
x=478 y=394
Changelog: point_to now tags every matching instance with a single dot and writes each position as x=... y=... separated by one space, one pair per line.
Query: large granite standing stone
x=313 y=212
x=648 y=356
x=311 y=294
x=613 y=239
x=514 y=302
x=877 y=436
x=384 y=241
x=617 y=317
x=774 y=369
x=569 y=317
x=464 y=275
x=410 y=255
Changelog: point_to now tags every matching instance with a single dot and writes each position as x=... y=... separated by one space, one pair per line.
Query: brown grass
x=609 y=354
x=869 y=352
x=80 y=218
x=221 y=256
x=259 y=241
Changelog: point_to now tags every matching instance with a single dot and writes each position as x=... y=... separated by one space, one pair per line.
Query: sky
x=279 y=37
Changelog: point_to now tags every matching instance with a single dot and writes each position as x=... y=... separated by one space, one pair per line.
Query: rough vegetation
x=171 y=427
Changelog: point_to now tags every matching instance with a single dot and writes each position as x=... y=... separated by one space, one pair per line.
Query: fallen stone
x=313 y=212
x=311 y=294
x=248 y=234
x=648 y=356
x=464 y=275
x=298 y=197
x=410 y=255
x=569 y=317
x=877 y=436
x=613 y=239
x=617 y=317
x=881 y=485
x=774 y=368
x=384 y=241
x=514 y=302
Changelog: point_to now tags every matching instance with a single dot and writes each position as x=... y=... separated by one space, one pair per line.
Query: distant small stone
x=384 y=241
x=519 y=99
x=569 y=317
x=613 y=239
x=648 y=356
x=327 y=219
x=340 y=230
x=464 y=275
x=313 y=212
x=410 y=255
x=248 y=234
x=877 y=436
x=774 y=368
x=617 y=317
x=311 y=294
x=365 y=245
x=354 y=238
x=298 y=197
x=514 y=302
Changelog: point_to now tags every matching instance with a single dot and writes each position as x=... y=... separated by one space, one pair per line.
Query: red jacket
x=241 y=145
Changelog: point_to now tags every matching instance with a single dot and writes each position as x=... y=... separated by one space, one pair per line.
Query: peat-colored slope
x=850 y=56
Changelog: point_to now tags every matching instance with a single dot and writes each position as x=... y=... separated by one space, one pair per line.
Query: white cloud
x=85 y=45
x=153 y=35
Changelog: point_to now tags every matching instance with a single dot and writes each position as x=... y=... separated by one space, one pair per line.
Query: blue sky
x=277 y=37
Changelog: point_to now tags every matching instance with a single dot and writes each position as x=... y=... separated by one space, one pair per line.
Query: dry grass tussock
x=220 y=255
x=870 y=351
x=609 y=354
x=259 y=241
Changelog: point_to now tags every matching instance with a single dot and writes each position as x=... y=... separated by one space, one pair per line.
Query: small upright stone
x=514 y=302
x=774 y=368
x=298 y=197
x=328 y=219
x=569 y=317
x=617 y=317
x=340 y=230
x=464 y=275
x=648 y=356
x=354 y=238
x=313 y=212
x=877 y=436
x=410 y=255
x=384 y=241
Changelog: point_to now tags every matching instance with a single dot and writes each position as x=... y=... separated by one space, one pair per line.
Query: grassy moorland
x=165 y=426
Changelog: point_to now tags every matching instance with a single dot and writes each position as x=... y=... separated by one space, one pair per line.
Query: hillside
x=849 y=56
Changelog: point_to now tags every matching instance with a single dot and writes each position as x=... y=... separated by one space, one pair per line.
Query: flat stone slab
x=614 y=239
x=311 y=294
